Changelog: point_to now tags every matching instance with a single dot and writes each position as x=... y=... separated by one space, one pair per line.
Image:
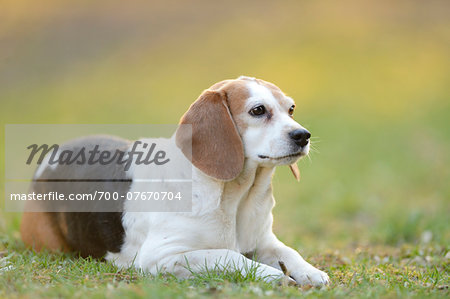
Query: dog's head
x=240 y=119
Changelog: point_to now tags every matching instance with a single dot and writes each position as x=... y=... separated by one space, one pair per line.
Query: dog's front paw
x=311 y=276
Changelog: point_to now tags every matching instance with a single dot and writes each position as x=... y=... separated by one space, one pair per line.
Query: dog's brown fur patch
x=41 y=230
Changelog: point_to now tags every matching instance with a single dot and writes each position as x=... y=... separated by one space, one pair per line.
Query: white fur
x=228 y=219
x=273 y=140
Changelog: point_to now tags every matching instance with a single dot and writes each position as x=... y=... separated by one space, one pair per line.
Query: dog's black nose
x=300 y=136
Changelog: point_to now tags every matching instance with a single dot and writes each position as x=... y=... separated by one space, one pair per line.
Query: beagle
x=241 y=130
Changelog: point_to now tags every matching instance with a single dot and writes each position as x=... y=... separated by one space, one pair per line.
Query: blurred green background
x=371 y=82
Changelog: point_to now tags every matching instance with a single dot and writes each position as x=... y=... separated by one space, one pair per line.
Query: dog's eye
x=258 y=110
x=291 y=110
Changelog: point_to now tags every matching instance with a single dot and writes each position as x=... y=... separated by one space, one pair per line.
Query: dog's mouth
x=297 y=154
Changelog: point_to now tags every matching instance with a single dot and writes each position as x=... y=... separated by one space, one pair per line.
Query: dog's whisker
x=312 y=148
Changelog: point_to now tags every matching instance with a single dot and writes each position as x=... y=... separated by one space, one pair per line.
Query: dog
x=241 y=130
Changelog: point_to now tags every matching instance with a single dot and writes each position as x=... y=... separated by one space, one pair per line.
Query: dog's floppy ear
x=217 y=148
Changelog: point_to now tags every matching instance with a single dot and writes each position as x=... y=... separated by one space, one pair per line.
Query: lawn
x=410 y=271
x=370 y=82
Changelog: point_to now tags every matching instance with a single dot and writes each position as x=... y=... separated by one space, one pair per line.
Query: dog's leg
x=185 y=265
x=273 y=251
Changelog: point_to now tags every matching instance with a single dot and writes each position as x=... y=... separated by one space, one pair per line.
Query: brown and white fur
x=235 y=150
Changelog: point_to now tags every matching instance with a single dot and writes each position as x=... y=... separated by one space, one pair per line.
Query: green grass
x=371 y=272
x=370 y=82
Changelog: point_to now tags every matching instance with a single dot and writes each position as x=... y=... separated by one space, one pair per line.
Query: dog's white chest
x=244 y=209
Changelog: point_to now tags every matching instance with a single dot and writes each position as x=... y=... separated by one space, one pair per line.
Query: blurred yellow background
x=370 y=79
